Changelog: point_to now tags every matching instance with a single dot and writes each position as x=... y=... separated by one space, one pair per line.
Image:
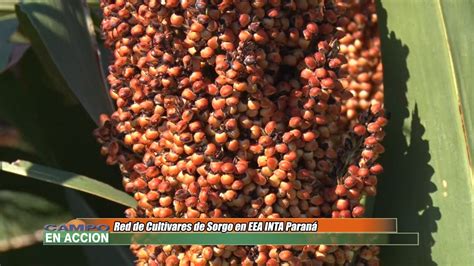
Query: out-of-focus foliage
x=43 y=97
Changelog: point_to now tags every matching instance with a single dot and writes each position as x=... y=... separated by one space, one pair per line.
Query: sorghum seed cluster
x=361 y=46
x=233 y=109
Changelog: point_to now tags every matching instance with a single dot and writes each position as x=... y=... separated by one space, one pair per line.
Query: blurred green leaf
x=428 y=60
x=20 y=221
x=8 y=25
x=22 y=114
x=22 y=214
x=60 y=35
x=58 y=131
x=69 y=180
x=8 y=5
x=39 y=255
x=55 y=132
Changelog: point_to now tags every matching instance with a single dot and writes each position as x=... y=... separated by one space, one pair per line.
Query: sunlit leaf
x=69 y=180
x=427 y=50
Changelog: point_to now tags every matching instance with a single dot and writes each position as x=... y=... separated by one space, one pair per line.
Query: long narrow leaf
x=69 y=180
x=59 y=34
x=428 y=57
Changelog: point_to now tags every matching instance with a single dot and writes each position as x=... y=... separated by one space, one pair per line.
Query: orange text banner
x=324 y=225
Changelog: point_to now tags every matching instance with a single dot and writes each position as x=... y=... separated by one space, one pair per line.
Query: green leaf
x=9 y=5
x=8 y=25
x=60 y=34
x=69 y=180
x=56 y=131
x=428 y=182
x=43 y=115
x=23 y=215
x=26 y=205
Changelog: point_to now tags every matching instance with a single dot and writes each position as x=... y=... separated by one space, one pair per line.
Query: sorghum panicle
x=243 y=109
